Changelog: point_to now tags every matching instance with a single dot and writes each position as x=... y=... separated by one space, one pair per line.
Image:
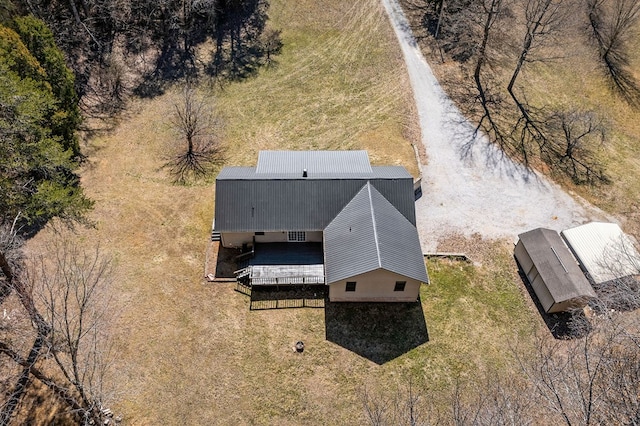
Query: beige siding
x=237 y=239
x=375 y=286
x=281 y=237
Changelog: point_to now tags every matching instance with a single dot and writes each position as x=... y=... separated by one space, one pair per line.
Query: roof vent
x=304 y=172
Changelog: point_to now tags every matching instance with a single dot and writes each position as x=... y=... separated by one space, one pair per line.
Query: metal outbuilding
x=552 y=271
x=604 y=252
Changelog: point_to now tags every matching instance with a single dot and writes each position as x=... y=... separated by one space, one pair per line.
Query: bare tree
x=194 y=121
x=613 y=26
x=592 y=380
x=573 y=141
x=406 y=406
x=64 y=293
x=72 y=288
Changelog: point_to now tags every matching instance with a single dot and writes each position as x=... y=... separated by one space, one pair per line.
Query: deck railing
x=304 y=279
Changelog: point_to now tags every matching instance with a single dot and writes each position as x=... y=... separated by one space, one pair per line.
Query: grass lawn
x=189 y=352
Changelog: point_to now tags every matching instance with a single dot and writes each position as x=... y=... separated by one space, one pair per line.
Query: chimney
x=304 y=172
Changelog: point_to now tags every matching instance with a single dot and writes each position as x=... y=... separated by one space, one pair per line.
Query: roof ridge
x=375 y=225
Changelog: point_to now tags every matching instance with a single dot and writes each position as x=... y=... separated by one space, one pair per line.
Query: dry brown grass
x=193 y=353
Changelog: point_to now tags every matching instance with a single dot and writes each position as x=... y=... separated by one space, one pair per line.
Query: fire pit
x=299 y=346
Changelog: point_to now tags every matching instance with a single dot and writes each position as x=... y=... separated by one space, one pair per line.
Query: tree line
x=118 y=47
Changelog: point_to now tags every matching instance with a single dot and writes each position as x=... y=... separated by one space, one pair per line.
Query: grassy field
x=189 y=352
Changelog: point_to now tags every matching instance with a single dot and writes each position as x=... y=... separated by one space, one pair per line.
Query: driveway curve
x=476 y=190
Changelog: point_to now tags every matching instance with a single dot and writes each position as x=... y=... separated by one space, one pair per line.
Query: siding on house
x=237 y=239
x=375 y=286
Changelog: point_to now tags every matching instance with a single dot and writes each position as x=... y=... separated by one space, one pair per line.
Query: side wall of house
x=375 y=286
x=237 y=239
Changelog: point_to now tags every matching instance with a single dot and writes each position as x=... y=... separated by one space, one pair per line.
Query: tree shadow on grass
x=562 y=325
x=379 y=332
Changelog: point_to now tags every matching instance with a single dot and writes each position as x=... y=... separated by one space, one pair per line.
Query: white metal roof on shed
x=603 y=250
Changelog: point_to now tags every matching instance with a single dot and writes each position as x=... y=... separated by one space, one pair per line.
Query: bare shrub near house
x=199 y=149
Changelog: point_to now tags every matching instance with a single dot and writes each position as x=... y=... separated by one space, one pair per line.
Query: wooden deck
x=283 y=264
x=285 y=274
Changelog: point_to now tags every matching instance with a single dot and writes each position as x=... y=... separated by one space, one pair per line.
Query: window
x=351 y=286
x=400 y=286
x=297 y=236
x=259 y=233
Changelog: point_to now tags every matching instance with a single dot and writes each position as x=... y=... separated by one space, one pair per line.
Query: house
x=360 y=217
x=552 y=271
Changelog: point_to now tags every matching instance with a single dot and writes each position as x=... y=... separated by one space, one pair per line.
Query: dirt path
x=478 y=190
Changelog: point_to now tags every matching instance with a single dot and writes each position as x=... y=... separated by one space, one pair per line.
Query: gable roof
x=556 y=265
x=249 y=200
x=369 y=234
x=603 y=250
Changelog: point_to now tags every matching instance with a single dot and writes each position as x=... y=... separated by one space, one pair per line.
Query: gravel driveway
x=478 y=190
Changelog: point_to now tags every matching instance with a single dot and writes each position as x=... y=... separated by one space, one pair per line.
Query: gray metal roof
x=250 y=173
x=369 y=234
x=556 y=265
x=315 y=162
x=245 y=204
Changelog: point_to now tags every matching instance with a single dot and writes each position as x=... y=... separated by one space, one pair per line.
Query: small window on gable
x=351 y=286
x=297 y=236
x=400 y=286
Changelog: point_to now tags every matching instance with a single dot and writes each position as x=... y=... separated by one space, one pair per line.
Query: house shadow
x=379 y=332
x=225 y=262
x=561 y=325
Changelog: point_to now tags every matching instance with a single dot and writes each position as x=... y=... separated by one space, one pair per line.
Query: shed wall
x=375 y=286
x=534 y=278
